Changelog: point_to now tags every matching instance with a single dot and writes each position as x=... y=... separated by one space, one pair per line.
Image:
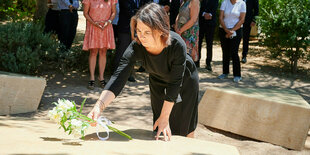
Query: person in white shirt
x=232 y=15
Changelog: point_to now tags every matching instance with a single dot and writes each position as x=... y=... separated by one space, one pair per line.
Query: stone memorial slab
x=280 y=117
x=30 y=136
x=20 y=93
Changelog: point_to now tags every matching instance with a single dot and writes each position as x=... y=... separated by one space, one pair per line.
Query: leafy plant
x=285 y=27
x=24 y=47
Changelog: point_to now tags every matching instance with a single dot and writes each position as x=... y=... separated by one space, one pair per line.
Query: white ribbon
x=104 y=125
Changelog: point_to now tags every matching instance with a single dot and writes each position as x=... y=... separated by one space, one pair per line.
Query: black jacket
x=208 y=6
x=174 y=10
x=127 y=8
x=251 y=11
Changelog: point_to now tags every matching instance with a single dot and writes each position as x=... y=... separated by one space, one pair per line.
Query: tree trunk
x=41 y=9
x=294 y=61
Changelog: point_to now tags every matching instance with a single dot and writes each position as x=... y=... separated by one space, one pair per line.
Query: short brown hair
x=155 y=17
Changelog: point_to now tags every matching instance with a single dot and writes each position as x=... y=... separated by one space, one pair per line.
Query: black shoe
x=102 y=83
x=244 y=60
x=141 y=69
x=209 y=68
x=131 y=79
x=91 y=85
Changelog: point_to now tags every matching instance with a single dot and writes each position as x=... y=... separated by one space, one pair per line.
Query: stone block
x=20 y=93
x=31 y=136
x=280 y=117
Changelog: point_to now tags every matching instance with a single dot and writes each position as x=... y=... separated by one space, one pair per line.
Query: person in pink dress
x=98 y=35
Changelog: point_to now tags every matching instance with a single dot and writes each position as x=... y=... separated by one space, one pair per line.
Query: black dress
x=172 y=76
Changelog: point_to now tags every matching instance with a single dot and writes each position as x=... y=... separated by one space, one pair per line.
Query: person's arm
x=241 y=17
x=222 y=23
x=66 y=2
x=49 y=4
x=86 y=14
x=240 y=22
x=113 y=13
x=104 y=100
x=162 y=123
x=116 y=82
x=166 y=4
x=211 y=9
x=194 y=12
x=176 y=24
x=75 y=4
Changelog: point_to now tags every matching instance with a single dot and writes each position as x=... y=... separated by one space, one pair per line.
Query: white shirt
x=232 y=12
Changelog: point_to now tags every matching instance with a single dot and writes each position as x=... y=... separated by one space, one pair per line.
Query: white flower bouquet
x=66 y=115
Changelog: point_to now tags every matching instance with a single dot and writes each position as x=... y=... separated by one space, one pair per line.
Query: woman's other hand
x=229 y=33
x=162 y=125
x=178 y=31
x=98 y=24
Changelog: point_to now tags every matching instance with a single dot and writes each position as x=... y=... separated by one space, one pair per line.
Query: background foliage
x=17 y=9
x=285 y=28
x=24 y=48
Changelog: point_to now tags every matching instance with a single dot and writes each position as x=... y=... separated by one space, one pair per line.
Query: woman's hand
x=178 y=31
x=162 y=123
x=104 y=100
x=98 y=24
x=95 y=113
x=229 y=33
x=105 y=23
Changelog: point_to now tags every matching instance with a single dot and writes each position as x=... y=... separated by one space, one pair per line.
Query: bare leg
x=102 y=62
x=92 y=62
x=191 y=135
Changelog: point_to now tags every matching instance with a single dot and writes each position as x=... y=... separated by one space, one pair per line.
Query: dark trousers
x=208 y=32
x=124 y=39
x=230 y=49
x=52 y=21
x=115 y=32
x=246 y=37
x=68 y=22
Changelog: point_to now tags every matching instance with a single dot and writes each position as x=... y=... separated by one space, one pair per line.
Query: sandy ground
x=132 y=106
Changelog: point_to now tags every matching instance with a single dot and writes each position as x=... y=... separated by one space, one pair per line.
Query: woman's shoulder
x=176 y=38
x=177 y=41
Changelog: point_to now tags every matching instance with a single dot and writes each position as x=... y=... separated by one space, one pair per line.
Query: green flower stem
x=82 y=105
x=110 y=127
x=119 y=132
x=86 y=118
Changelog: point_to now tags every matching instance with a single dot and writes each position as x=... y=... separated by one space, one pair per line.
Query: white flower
x=69 y=113
x=62 y=106
x=78 y=127
x=55 y=115
x=76 y=124
x=69 y=104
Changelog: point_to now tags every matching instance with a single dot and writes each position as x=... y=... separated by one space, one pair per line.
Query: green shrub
x=24 y=47
x=285 y=27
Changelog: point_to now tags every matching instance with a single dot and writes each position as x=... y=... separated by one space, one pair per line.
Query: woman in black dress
x=173 y=76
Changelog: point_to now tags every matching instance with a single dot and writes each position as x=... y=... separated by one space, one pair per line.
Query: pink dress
x=99 y=10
